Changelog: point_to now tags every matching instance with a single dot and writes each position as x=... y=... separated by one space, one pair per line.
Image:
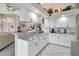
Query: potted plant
x=67 y=8
x=50 y=11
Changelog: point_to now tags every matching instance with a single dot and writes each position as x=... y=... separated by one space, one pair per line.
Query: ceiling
x=56 y=5
x=27 y=6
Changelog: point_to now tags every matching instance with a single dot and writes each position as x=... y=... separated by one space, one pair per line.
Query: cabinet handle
x=36 y=43
x=58 y=37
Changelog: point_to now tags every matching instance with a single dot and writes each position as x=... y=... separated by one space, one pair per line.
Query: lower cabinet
x=61 y=39
x=32 y=47
x=6 y=39
x=3 y=41
x=23 y=47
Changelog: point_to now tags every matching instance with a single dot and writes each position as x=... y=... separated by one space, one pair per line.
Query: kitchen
x=34 y=29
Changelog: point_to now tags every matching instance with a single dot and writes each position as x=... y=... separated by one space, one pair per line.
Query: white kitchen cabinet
x=51 y=22
x=67 y=40
x=6 y=39
x=66 y=21
x=47 y=22
x=3 y=41
x=59 y=23
x=53 y=38
x=61 y=39
x=40 y=43
x=44 y=40
x=71 y=23
x=21 y=47
x=26 y=47
x=32 y=47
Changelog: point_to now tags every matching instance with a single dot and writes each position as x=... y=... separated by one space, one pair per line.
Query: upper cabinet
x=65 y=19
x=51 y=22
x=29 y=16
x=71 y=22
x=24 y=15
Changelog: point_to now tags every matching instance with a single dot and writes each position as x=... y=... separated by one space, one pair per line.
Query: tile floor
x=50 y=50
x=55 y=50
x=9 y=51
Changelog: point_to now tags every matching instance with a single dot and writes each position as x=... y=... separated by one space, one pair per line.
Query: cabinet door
x=51 y=22
x=67 y=40
x=40 y=43
x=53 y=38
x=32 y=47
x=46 y=38
x=47 y=22
x=71 y=21
x=11 y=38
x=3 y=40
x=21 y=47
x=60 y=38
x=60 y=23
x=57 y=24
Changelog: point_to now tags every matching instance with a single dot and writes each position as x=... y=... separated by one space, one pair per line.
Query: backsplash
x=62 y=30
x=29 y=26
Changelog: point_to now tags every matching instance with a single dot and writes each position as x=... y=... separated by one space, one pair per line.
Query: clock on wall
x=23 y=25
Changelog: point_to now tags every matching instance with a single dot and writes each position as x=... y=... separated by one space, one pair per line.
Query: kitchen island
x=30 y=44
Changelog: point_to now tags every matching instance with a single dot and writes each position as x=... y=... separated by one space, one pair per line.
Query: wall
x=77 y=27
x=77 y=5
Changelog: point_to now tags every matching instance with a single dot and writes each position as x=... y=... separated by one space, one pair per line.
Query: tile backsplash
x=29 y=26
x=62 y=30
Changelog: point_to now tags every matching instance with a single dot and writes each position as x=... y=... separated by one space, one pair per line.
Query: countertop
x=28 y=36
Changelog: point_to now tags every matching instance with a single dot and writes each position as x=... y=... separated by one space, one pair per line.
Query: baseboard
x=6 y=46
x=59 y=45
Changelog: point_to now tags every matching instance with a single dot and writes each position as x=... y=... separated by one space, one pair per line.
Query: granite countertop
x=28 y=36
